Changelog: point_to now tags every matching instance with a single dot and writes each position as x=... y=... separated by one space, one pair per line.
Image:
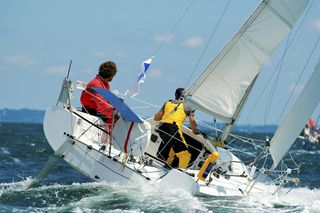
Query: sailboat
x=134 y=156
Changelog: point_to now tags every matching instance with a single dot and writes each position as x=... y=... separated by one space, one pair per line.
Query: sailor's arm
x=158 y=116
x=193 y=124
x=192 y=120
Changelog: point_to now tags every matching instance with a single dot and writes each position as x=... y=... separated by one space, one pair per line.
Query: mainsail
x=296 y=119
x=220 y=89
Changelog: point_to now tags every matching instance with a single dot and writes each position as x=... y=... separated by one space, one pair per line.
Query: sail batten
x=222 y=86
x=280 y=16
x=256 y=44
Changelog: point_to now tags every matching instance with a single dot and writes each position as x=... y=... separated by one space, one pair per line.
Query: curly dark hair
x=107 y=69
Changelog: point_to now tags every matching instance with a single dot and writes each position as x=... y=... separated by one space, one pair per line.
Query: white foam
x=15 y=186
x=4 y=151
x=301 y=199
x=143 y=197
x=153 y=197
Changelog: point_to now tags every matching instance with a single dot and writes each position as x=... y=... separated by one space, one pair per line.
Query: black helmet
x=179 y=93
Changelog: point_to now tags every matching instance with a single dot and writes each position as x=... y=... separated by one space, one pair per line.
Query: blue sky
x=38 y=38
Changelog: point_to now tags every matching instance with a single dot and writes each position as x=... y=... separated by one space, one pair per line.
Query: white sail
x=296 y=119
x=222 y=86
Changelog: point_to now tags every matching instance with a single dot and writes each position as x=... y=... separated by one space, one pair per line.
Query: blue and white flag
x=135 y=88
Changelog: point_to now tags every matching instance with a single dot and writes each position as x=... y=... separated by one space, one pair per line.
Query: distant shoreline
x=30 y=116
x=21 y=116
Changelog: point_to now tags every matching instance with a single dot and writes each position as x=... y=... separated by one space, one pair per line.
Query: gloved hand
x=197 y=132
x=116 y=114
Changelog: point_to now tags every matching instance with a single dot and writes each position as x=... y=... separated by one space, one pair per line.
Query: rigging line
x=68 y=91
x=308 y=11
x=269 y=80
x=268 y=101
x=303 y=70
x=148 y=103
x=242 y=138
x=144 y=102
x=173 y=28
x=318 y=120
x=69 y=96
x=207 y=44
x=271 y=97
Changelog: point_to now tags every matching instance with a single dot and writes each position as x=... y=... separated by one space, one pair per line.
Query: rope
x=269 y=80
x=271 y=97
x=303 y=70
x=207 y=44
x=249 y=140
x=173 y=28
x=148 y=103
x=110 y=137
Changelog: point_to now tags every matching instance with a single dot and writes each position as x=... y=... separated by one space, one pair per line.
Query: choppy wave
x=4 y=151
x=105 y=197
x=66 y=190
x=298 y=200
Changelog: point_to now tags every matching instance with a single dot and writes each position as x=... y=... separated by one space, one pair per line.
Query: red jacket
x=92 y=100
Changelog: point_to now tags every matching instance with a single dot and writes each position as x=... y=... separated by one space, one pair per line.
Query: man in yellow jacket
x=172 y=116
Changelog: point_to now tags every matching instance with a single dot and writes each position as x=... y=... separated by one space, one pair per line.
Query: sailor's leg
x=184 y=158
x=165 y=146
x=180 y=147
x=170 y=156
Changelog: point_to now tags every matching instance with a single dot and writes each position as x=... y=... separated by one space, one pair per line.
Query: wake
x=146 y=197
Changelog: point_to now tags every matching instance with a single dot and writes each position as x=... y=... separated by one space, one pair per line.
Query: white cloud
x=164 y=38
x=20 y=60
x=1 y=68
x=56 y=70
x=193 y=42
x=121 y=53
x=155 y=73
x=90 y=70
x=268 y=63
x=315 y=25
x=105 y=56
x=297 y=88
x=292 y=74
x=99 y=54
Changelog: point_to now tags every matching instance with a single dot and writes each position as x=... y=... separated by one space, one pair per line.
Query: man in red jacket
x=92 y=102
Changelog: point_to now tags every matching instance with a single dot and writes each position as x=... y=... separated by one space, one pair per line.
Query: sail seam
x=195 y=102
x=256 y=44
x=285 y=21
x=228 y=47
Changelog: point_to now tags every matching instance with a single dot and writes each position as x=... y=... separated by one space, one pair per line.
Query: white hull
x=221 y=91
x=78 y=143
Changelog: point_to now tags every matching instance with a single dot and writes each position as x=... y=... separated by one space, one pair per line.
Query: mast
x=224 y=86
x=65 y=92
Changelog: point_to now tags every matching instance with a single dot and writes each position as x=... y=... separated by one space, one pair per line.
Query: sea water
x=24 y=151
